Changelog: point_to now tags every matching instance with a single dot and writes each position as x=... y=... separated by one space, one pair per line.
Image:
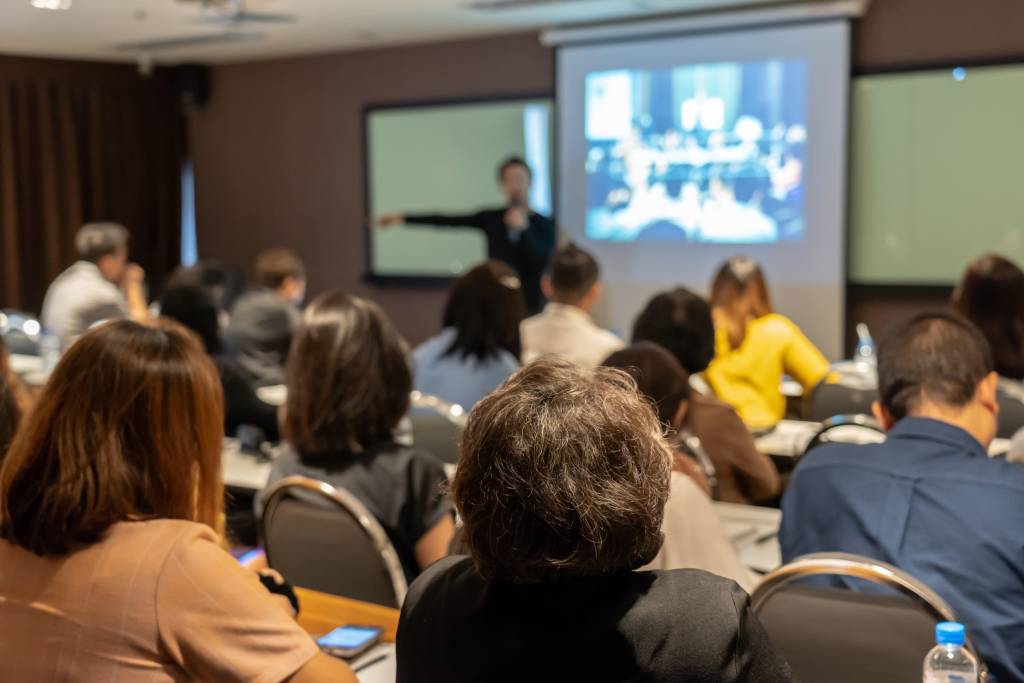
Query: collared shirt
x=79 y=298
x=930 y=501
x=567 y=331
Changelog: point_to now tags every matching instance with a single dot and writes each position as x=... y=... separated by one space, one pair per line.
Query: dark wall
x=279 y=160
x=278 y=152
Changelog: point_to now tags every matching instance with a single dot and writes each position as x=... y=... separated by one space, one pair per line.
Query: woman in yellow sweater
x=754 y=347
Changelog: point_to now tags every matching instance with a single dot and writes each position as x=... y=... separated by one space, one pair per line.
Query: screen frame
x=436 y=281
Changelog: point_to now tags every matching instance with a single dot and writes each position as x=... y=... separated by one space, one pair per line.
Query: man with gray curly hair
x=561 y=487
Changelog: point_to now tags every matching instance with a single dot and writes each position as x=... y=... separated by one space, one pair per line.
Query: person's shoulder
x=696 y=592
x=775 y=323
x=434 y=346
x=160 y=536
x=441 y=581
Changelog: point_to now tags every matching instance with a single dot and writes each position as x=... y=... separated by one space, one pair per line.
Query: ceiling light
x=51 y=4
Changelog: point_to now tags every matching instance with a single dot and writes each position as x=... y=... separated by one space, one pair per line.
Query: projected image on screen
x=702 y=153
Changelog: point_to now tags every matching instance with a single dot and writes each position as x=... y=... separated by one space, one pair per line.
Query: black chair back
x=1010 y=395
x=836 y=635
x=857 y=429
x=321 y=537
x=437 y=426
x=827 y=399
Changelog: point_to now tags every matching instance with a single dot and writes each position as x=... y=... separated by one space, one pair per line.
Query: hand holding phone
x=349 y=641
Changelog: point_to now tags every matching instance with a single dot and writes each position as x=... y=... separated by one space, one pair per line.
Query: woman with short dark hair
x=991 y=295
x=348 y=385
x=479 y=345
x=193 y=305
x=562 y=484
x=110 y=497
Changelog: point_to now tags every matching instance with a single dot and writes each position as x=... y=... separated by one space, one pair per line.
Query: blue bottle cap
x=949 y=633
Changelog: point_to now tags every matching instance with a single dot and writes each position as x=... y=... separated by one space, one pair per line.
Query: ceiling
x=173 y=31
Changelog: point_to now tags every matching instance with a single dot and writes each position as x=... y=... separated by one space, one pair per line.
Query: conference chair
x=856 y=429
x=1010 y=395
x=321 y=537
x=21 y=332
x=437 y=426
x=845 y=636
x=844 y=393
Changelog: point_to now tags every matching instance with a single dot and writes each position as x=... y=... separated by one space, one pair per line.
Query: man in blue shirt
x=928 y=500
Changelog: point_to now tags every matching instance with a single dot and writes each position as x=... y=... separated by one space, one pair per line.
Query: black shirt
x=527 y=251
x=682 y=625
x=400 y=486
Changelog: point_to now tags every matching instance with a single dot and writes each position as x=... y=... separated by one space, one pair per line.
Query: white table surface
x=384 y=671
x=242 y=470
x=790 y=438
x=754 y=531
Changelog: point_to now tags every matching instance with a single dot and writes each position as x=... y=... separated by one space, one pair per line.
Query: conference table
x=320 y=613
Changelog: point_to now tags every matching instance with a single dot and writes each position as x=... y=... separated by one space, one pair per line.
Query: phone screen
x=349 y=637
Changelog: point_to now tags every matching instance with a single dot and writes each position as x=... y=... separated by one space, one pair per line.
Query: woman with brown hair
x=109 y=500
x=348 y=387
x=755 y=346
x=562 y=484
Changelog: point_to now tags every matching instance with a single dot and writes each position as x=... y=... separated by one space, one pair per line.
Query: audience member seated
x=754 y=347
x=694 y=536
x=991 y=295
x=101 y=285
x=479 y=346
x=561 y=486
x=564 y=328
x=680 y=321
x=348 y=387
x=929 y=500
x=264 y=319
x=192 y=305
x=13 y=401
x=111 y=494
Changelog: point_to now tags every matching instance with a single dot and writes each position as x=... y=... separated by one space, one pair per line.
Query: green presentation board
x=444 y=159
x=935 y=178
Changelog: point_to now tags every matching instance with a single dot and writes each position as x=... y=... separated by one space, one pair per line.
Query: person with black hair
x=192 y=304
x=516 y=234
x=479 y=345
x=680 y=321
x=928 y=500
x=564 y=328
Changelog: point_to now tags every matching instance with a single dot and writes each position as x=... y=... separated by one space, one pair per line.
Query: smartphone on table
x=350 y=641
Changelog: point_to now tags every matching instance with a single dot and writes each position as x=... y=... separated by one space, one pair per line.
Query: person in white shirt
x=564 y=328
x=101 y=285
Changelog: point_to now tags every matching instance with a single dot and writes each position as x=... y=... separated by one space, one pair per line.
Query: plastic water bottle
x=865 y=351
x=949 y=662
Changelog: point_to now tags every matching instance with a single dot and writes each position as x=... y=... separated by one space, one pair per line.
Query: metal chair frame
x=867 y=569
x=452 y=412
x=865 y=421
x=350 y=505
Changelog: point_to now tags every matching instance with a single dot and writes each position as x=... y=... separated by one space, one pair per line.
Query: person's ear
x=545 y=287
x=591 y=297
x=987 y=393
x=680 y=416
x=883 y=415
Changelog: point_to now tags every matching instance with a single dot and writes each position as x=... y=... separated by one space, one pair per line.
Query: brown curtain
x=80 y=143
